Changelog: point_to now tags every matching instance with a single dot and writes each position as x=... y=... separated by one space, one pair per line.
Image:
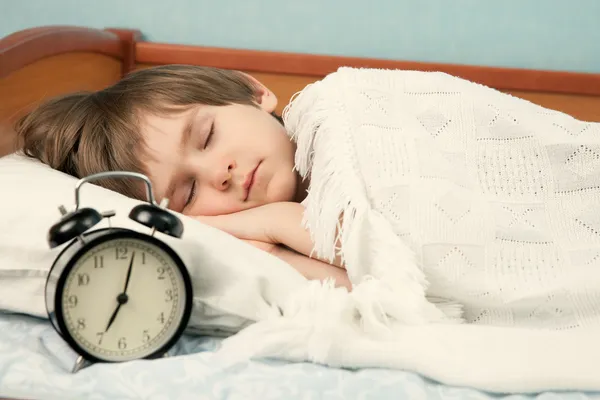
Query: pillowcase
x=234 y=283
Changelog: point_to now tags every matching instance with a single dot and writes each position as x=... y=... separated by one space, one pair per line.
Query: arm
x=277 y=223
x=310 y=268
x=287 y=230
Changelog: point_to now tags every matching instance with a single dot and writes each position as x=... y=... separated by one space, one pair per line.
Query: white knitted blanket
x=469 y=223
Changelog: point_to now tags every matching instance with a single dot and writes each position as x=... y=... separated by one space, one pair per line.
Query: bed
x=46 y=61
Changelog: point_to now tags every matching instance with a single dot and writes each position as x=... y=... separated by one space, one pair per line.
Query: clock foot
x=80 y=364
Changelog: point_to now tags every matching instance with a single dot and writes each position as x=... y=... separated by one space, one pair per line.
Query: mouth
x=249 y=182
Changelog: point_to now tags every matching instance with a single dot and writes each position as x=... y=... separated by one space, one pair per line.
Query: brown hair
x=85 y=133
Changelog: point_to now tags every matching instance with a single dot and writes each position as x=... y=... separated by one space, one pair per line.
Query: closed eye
x=192 y=194
x=210 y=134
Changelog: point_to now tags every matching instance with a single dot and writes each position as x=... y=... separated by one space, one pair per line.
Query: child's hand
x=259 y=223
x=275 y=223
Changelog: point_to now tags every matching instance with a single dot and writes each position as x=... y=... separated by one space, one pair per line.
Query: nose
x=223 y=176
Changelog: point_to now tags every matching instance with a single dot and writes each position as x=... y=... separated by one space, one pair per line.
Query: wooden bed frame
x=39 y=63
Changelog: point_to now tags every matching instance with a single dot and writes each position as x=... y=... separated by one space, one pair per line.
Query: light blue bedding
x=29 y=371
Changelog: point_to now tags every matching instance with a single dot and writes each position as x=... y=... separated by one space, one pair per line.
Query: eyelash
x=193 y=189
x=210 y=134
x=192 y=194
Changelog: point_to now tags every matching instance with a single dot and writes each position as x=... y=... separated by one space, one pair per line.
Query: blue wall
x=540 y=34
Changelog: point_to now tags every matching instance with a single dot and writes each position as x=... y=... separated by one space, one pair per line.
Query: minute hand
x=128 y=273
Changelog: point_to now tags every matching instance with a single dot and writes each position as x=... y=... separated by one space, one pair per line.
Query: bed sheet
x=29 y=371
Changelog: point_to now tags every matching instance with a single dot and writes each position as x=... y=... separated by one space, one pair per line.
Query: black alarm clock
x=115 y=294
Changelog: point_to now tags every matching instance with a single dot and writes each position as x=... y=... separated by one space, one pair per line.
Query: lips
x=249 y=181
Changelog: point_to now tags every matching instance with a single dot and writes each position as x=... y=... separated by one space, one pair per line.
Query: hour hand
x=112 y=318
x=121 y=299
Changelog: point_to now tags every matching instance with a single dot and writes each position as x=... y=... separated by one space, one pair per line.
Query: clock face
x=124 y=299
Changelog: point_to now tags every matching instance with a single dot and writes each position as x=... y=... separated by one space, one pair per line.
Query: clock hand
x=129 y=273
x=112 y=318
x=122 y=298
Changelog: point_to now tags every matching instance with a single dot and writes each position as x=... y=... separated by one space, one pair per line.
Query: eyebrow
x=187 y=131
x=186 y=134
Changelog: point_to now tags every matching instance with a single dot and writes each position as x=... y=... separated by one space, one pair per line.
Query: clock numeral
x=161 y=318
x=121 y=253
x=122 y=343
x=80 y=324
x=83 y=279
x=100 y=336
x=168 y=295
x=98 y=261
x=72 y=301
x=161 y=273
x=145 y=336
x=143 y=258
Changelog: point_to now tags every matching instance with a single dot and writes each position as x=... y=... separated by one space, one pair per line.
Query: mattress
x=28 y=370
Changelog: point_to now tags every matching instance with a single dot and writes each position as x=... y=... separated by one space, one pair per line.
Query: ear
x=265 y=98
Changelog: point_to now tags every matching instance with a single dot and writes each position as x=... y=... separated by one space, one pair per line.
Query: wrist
x=284 y=218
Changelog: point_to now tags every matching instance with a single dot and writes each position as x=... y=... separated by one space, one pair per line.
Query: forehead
x=162 y=134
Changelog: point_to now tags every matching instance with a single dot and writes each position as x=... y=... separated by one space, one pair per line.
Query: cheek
x=282 y=187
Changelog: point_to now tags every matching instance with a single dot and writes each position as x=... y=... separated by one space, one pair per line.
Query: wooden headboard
x=43 y=62
x=577 y=94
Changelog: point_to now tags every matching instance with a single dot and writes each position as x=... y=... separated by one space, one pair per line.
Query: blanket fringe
x=387 y=320
x=386 y=278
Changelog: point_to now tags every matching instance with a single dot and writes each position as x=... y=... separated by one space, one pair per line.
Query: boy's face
x=212 y=160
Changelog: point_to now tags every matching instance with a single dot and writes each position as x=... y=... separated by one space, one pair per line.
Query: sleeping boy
x=208 y=140
x=460 y=200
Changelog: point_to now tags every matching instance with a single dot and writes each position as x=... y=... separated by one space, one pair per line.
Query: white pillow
x=234 y=283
